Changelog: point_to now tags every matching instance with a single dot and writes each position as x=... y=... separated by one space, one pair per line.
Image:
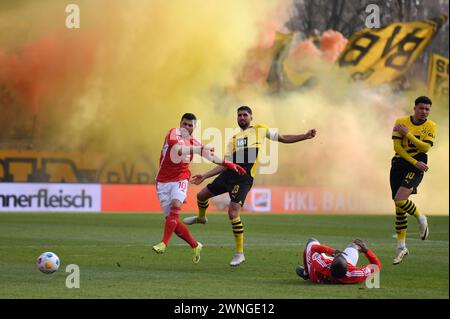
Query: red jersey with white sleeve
x=319 y=270
x=174 y=168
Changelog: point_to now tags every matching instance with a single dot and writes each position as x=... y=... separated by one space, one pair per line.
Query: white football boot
x=195 y=220
x=238 y=259
x=401 y=253
x=423 y=227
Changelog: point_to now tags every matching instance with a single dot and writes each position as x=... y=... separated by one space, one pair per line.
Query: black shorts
x=237 y=186
x=404 y=175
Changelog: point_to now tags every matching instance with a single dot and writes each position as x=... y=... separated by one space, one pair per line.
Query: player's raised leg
x=238 y=232
x=183 y=232
x=202 y=203
x=409 y=207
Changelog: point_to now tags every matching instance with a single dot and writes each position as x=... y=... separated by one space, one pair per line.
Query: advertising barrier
x=120 y=198
x=50 y=197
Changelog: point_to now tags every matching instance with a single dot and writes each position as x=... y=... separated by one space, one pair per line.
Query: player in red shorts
x=323 y=264
x=173 y=176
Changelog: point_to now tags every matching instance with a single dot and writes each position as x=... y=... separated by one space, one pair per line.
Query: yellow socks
x=202 y=206
x=238 y=232
x=401 y=225
x=408 y=207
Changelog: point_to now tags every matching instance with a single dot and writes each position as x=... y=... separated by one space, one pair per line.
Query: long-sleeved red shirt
x=319 y=270
x=168 y=170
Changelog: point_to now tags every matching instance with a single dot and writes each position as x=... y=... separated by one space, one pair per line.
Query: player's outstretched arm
x=209 y=155
x=288 y=139
x=206 y=151
x=222 y=165
x=199 y=178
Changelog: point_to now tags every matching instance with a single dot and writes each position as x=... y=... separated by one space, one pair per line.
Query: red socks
x=173 y=224
x=183 y=232
x=170 y=225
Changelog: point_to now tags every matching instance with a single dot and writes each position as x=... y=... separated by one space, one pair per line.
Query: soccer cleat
x=401 y=253
x=195 y=220
x=301 y=272
x=238 y=259
x=423 y=228
x=159 y=248
x=197 y=251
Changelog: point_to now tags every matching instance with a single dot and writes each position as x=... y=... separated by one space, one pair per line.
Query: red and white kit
x=317 y=261
x=172 y=178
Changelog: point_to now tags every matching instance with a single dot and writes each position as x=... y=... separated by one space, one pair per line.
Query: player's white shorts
x=351 y=254
x=169 y=191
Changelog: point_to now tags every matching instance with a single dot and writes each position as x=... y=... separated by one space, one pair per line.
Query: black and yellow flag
x=262 y=63
x=280 y=47
x=378 y=56
x=437 y=75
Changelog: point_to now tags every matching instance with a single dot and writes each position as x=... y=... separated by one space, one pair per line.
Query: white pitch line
x=279 y=244
x=425 y=241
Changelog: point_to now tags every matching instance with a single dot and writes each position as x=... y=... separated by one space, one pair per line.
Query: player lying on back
x=173 y=176
x=324 y=265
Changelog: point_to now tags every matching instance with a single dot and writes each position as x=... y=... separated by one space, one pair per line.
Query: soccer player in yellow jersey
x=413 y=136
x=243 y=149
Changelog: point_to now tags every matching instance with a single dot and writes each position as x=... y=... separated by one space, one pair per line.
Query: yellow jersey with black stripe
x=245 y=146
x=426 y=132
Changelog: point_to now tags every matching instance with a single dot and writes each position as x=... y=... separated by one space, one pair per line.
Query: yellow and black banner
x=437 y=75
x=280 y=47
x=378 y=56
x=73 y=167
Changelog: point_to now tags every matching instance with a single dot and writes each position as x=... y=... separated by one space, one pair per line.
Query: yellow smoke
x=156 y=60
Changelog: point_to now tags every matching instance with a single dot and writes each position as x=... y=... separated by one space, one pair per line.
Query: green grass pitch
x=115 y=258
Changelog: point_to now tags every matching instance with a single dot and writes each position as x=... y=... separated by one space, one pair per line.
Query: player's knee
x=232 y=214
x=402 y=194
x=176 y=203
x=233 y=210
x=202 y=196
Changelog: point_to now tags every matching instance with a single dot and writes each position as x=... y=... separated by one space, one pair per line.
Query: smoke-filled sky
x=127 y=75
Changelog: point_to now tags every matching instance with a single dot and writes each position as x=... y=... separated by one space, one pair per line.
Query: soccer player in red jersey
x=323 y=264
x=173 y=176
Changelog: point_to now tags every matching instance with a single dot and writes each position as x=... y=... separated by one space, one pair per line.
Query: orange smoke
x=303 y=56
x=332 y=44
x=306 y=54
x=45 y=66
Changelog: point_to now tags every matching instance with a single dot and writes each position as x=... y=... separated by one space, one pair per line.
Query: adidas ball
x=48 y=262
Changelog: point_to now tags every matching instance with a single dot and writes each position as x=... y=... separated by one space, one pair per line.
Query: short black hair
x=245 y=108
x=423 y=99
x=338 y=267
x=188 y=116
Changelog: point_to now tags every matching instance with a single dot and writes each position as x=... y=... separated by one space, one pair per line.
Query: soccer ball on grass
x=48 y=262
